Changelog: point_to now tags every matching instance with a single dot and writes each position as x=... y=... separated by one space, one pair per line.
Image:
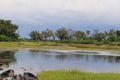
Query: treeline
x=110 y=37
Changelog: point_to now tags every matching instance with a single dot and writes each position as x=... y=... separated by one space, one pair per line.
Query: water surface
x=37 y=60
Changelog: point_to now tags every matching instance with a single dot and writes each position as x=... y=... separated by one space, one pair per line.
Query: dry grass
x=53 y=45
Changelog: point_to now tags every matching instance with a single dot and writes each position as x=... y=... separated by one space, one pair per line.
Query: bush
x=119 y=44
x=4 y=38
x=99 y=43
x=86 y=42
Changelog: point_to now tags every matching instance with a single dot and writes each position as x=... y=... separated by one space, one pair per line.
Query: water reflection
x=37 y=60
x=61 y=57
x=76 y=55
x=7 y=57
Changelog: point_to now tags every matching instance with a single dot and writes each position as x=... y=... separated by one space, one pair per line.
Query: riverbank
x=77 y=75
x=56 y=46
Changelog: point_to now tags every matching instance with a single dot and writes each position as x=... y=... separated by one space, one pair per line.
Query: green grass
x=77 y=75
x=54 y=45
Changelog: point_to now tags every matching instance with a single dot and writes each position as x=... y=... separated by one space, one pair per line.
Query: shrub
x=4 y=38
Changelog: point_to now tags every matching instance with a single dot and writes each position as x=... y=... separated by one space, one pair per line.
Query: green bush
x=4 y=38
x=99 y=43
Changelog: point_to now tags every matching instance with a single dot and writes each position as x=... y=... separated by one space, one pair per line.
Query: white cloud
x=45 y=11
x=63 y=4
x=82 y=14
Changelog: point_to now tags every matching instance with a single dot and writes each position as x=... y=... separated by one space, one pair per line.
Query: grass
x=53 y=45
x=77 y=75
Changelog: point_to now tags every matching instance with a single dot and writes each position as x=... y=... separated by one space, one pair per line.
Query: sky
x=54 y=14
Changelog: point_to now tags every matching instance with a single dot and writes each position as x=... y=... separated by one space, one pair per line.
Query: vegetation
x=8 y=31
x=54 y=45
x=110 y=37
x=61 y=35
x=77 y=75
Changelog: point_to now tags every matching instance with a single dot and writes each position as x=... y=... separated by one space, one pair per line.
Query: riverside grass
x=54 y=45
x=76 y=75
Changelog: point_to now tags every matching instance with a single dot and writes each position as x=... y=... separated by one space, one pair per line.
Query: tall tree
x=88 y=32
x=112 y=32
x=35 y=35
x=99 y=36
x=47 y=34
x=111 y=35
x=8 y=29
x=118 y=33
x=71 y=34
x=79 y=35
x=62 y=34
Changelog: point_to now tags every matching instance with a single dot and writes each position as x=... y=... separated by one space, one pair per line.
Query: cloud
x=62 y=12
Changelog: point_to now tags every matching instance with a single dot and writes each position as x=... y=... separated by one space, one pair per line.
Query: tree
x=99 y=36
x=62 y=34
x=47 y=34
x=118 y=33
x=106 y=34
x=71 y=34
x=111 y=35
x=88 y=32
x=111 y=38
x=35 y=35
x=8 y=29
x=79 y=35
x=112 y=32
x=4 y=38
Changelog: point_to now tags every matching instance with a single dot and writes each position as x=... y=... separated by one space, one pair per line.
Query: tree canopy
x=78 y=36
x=8 y=30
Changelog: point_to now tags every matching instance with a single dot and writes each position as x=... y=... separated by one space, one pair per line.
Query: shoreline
x=63 y=50
x=57 y=46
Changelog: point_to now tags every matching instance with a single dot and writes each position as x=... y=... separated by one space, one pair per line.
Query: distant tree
x=96 y=31
x=118 y=38
x=8 y=29
x=35 y=35
x=106 y=34
x=62 y=34
x=71 y=34
x=79 y=35
x=47 y=34
x=118 y=33
x=111 y=35
x=99 y=36
x=112 y=32
x=87 y=32
x=111 y=38
x=54 y=36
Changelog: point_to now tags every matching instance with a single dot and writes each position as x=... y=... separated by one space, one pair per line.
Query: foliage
x=118 y=33
x=62 y=34
x=47 y=34
x=78 y=37
x=88 y=32
x=35 y=35
x=4 y=38
x=99 y=36
x=8 y=30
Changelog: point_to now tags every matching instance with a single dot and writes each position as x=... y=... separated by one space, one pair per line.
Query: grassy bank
x=53 y=45
x=77 y=75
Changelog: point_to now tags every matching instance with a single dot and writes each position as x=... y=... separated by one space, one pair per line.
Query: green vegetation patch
x=77 y=75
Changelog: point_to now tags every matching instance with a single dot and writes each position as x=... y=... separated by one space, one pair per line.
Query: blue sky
x=53 y=14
